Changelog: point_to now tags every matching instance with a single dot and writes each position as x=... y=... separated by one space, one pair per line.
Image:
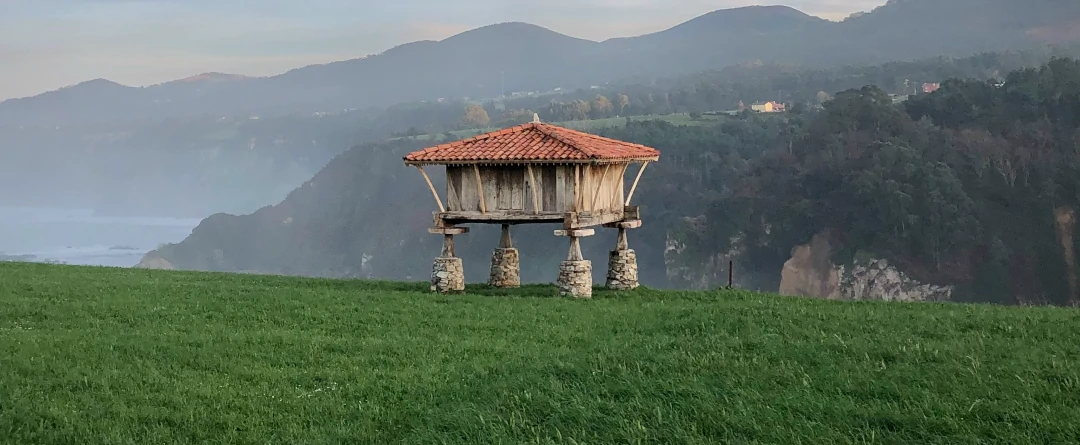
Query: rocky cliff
x=1065 y=223
x=153 y=261
x=688 y=262
x=810 y=272
x=366 y=216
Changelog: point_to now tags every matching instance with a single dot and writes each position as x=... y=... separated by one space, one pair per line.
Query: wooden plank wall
x=556 y=186
x=549 y=194
x=504 y=188
x=507 y=185
x=454 y=184
x=564 y=188
x=609 y=180
x=509 y=188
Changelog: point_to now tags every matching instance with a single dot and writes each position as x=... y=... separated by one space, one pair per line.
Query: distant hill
x=491 y=60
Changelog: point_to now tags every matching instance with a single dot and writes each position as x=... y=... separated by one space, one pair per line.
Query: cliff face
x=365 y=215
x=810 y=273
x=688 y=263
x=691 y=260
x=353 y=219
x=327 y=228
x=878 y=280
x=1065 y=223
x=152 y=261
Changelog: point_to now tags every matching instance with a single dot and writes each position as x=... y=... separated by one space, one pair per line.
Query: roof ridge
x=607 y=139
x=488 y=135
x=534 y=141
x=479 y=137
x=594 y=137
x=542 y=128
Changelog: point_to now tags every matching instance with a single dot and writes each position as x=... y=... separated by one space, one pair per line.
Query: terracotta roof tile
x=533 y=142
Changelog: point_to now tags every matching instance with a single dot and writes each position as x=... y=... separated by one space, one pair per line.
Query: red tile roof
x=533 y=142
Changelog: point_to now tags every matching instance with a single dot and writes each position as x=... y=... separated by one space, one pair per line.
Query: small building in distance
x=768 y=107
x=529 y=174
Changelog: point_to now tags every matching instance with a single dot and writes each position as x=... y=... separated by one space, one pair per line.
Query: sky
x=47 y=44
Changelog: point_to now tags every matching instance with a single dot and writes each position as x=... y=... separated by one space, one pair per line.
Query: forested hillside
x=973 y=186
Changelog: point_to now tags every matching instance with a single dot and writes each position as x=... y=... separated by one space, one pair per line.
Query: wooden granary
x=536 y=173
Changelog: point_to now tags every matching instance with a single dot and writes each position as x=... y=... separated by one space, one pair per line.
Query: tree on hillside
x=601 y=106
x=577 y=110
x=624 y=101
x=581 y=110
x=823 y=97
x=476 y=116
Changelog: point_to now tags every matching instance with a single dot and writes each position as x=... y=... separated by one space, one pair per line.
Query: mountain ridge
x=496 y=59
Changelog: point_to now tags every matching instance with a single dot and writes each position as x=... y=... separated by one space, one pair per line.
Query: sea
x=78 y=237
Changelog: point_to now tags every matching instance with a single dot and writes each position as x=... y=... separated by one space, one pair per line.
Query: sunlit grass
x=92 y=355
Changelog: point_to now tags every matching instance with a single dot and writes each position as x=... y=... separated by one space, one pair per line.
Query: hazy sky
x=46 y=44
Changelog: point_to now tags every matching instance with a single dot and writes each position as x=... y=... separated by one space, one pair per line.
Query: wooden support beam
x=634 y=187
x=587 y=219
x=575 y=244
x=535 y=194
x=505 y=242
x=480 y=189
x=575 y=250
x=576 y=233
x=624 y=225
x=448 y=246
x=432 y=187
x=448 y=219
x=577 y=188
x=599 y=187
x=622 y=176
x=448 y=230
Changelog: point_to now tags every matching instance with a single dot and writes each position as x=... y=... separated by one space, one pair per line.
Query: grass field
x=117 y=356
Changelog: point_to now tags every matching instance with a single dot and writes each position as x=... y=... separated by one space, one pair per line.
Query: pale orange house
x=768 y=107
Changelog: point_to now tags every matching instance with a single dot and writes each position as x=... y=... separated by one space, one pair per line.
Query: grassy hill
x=90 y=355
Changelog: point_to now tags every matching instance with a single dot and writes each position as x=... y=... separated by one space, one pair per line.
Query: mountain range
x=506 y=57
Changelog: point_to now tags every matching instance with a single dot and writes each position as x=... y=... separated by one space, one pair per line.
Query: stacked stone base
x=505 y=269
x=622 y=270
x=447 y=275
x=575 y=279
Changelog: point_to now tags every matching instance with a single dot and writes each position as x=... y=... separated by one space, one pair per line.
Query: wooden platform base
x=569 y=220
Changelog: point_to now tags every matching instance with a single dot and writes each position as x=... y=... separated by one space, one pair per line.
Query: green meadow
x=126 y=356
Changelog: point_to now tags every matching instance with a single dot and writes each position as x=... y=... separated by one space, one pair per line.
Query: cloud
x=52 y=43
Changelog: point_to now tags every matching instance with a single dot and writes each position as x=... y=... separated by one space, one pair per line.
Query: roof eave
x=628 y=160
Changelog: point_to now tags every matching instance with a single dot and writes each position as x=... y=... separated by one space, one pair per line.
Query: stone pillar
x=575 y=274
x=448 y=275
x=448 y=271
x=505 y=263
x=622 y=262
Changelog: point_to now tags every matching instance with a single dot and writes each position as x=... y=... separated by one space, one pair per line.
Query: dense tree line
x=975 y=185
x=723 y=90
